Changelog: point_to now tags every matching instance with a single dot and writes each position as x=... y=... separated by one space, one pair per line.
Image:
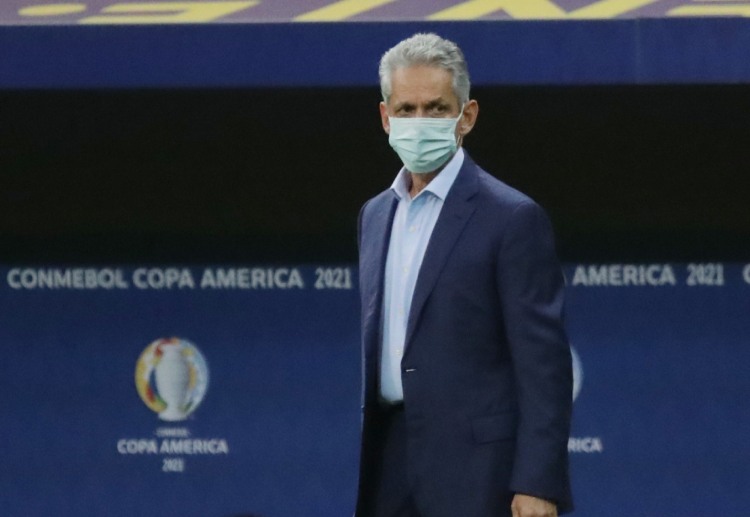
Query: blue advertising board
x=234 y=391
x=327 y=43
x=272 y=418
x=661 y=415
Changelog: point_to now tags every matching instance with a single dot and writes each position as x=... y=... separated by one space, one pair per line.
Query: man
x=467 y=370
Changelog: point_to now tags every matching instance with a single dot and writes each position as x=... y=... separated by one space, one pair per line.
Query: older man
x=467 y=369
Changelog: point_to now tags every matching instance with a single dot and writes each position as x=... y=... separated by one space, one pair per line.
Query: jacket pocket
x=491 y=428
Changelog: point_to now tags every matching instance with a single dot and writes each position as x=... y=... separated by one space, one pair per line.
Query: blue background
x=283 y=392
x=664 y=388
x=570 y=52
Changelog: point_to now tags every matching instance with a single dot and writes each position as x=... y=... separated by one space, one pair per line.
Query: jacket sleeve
x=530 y=284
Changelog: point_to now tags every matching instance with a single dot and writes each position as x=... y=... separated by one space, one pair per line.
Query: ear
x=469 y=118
x=384 y=118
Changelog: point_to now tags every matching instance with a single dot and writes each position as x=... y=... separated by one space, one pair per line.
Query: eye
x=404 y=111
x=439 y=110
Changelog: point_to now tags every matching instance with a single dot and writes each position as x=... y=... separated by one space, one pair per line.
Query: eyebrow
x=436 y=103
x=429 y=105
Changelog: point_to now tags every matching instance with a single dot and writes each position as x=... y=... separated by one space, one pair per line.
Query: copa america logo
x=577 y=373
x=171 y=377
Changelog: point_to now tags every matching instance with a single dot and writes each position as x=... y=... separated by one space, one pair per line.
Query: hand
x=528 y=506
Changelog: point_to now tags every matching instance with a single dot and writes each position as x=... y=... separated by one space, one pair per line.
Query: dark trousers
x=384 y=489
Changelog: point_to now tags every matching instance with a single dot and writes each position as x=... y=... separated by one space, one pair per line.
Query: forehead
x=419 y=84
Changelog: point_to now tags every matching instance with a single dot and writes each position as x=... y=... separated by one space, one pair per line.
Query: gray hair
x=430 y=50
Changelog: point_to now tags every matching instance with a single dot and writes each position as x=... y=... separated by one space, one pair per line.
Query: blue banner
x=545 y=51
x=234 y=391
x=252 y=407
x=661 y=420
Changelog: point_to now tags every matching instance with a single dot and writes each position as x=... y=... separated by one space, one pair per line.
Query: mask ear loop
x=460 y=137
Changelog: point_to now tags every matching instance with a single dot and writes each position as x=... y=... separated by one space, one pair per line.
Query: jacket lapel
x=377 y=230
x=456 y=212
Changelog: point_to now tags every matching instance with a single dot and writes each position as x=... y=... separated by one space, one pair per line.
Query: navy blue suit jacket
x=486 y=369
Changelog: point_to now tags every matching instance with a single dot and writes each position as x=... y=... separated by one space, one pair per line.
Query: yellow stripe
x=520 y=9
x=166 y=12
x=711 y=10
x=341 y=10
x=609 y=9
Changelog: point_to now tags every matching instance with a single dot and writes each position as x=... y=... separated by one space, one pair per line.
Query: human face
x=426 y=91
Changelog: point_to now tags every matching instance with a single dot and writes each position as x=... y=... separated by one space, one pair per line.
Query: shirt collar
x=439 y=186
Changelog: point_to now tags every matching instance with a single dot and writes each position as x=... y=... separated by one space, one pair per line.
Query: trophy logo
x=171 y=377
x=577 y=373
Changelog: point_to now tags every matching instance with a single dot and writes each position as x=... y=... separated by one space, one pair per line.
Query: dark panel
x=627 y=173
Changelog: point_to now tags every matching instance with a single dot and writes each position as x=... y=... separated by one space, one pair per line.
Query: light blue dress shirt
x=412 y=227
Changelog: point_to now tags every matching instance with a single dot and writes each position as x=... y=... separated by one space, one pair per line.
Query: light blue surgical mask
x=423 y=144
